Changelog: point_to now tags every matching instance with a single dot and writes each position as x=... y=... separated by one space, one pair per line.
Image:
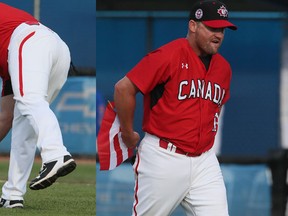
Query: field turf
x=72 y=195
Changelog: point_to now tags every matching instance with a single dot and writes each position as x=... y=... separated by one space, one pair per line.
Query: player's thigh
x=60 y=69
x=161 y=181
x=208 y=193
x=29 y=63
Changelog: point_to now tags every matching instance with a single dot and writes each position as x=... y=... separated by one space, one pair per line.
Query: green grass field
x=74 y=194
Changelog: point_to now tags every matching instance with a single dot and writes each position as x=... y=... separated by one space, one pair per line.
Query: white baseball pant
x=38 y=63
x=165 y=179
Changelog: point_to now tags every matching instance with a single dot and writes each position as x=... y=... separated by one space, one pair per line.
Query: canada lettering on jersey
x=201 y=89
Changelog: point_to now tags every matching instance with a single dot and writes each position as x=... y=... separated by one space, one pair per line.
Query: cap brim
x=220 y=24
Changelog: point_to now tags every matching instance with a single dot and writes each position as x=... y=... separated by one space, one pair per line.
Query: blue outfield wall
x=75 y=108
x=73 y=20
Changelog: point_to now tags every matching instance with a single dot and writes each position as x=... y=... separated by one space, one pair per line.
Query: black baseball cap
x=212 y=13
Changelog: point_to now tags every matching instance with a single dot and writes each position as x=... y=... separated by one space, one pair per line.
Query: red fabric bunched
x=111 y=149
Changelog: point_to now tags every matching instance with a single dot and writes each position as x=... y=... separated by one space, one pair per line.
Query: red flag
x=111 y=149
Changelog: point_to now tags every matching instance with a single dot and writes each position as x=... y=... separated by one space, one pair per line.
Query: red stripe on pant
x=136 y=185
x=20 y=62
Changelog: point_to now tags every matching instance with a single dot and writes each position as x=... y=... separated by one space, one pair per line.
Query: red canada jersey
x=10 y=18
x=182 y=100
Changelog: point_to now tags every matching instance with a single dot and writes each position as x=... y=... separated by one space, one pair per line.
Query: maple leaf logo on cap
x=222 y=11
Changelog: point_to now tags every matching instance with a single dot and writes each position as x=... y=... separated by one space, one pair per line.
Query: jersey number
x=216 y=122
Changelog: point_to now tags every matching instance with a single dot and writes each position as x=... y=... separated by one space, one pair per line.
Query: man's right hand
x=130 y=139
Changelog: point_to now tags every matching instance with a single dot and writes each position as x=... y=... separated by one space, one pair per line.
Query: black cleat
x=51 y=171
x=11 y=203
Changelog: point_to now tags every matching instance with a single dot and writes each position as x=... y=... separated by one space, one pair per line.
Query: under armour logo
x=185 y=65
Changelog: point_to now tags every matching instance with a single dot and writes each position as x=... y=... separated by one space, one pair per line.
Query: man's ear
x=192 y=26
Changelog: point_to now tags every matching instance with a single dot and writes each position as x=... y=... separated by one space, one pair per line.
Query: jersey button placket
x=201 y=120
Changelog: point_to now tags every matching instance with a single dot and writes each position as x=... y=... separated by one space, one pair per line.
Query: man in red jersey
x=185 y=83
x=34 y=64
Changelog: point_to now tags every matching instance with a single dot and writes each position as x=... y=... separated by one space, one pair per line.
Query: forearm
x=6 y=115
x=125 y=103
x=5 y=126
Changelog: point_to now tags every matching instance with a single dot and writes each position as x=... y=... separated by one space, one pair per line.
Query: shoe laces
x=42 y=170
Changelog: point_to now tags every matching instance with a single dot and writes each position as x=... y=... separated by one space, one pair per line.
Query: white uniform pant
x=38 y=65
x=165 y=180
